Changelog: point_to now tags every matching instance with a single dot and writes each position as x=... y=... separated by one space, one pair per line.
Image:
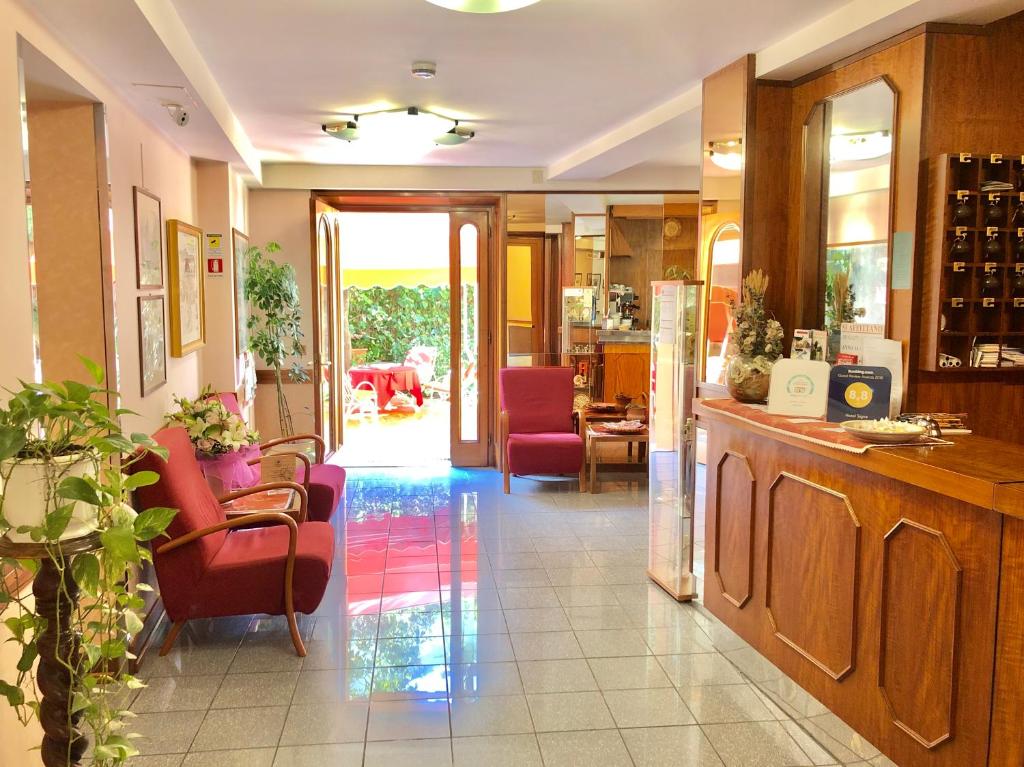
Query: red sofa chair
x=537 y=434
x=324 y=482
x=211 y=567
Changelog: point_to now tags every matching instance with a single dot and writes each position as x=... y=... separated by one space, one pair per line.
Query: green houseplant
x=43 y=425
x=276 y=330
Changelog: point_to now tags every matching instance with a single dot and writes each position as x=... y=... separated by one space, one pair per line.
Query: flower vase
x=226 y=472
x=748 y=378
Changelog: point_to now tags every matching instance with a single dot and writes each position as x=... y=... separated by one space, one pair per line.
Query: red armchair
x=324 y=482
x=537 y=434
x=210 y=567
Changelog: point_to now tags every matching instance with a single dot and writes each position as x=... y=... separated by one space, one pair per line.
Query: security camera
x=179 y=114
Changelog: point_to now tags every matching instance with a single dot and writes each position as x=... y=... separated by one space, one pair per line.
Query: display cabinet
x=672 y=455
x=579 y=347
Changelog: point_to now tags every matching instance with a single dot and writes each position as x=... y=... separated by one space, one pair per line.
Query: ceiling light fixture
x=408 y=125
x=483 y=6
x=424 y=70
x=850 y=147
x=727 y=155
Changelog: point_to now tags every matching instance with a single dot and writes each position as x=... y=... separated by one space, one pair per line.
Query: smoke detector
x=424 y=70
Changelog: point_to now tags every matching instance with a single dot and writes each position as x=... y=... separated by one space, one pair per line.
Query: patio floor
x=399 y=436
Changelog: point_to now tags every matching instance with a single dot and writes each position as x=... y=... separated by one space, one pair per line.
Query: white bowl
x=869 y=431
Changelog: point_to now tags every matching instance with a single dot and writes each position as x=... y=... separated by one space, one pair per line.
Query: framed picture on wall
x=187 y=292
x=149 y=240
x=595 y=280
x=239 y=245
x=577 y=280
x=152 y=344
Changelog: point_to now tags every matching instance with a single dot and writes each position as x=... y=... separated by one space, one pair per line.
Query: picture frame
x=149 y=240
x=239 y=270
x=595 y=280
x=152 y=344
x=577 y=280
x=186 y=287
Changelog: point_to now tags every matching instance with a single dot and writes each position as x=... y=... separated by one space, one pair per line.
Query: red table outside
x=388 y=381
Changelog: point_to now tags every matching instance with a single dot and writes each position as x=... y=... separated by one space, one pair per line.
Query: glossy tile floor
x=466 y=627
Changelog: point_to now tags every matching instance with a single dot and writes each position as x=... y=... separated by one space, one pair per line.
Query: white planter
x=25 y=491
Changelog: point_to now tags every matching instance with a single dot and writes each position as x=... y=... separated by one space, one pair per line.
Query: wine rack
x=972 y=309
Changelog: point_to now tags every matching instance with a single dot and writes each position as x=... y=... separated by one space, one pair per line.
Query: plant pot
x=26 y=491
x=748 y=378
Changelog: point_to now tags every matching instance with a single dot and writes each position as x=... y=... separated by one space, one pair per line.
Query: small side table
x=597 y=434
x=56 y=595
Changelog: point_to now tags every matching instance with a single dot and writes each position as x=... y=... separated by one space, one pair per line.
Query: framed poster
x=240 y=244
x=152 y=343
x=149 y=240
x=186 y=289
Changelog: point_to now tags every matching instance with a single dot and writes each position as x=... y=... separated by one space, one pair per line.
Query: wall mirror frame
x=848 y=174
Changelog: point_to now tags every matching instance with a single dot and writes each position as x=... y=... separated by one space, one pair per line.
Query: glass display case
x=579 y=345
x=672 y=454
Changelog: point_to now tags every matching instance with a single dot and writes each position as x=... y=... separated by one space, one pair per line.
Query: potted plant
x=224 y=444
x=78 y=455
x=276 y=329
x=755 y=343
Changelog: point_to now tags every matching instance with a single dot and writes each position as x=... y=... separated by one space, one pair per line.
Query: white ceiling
x=585 y=94
x=535 y=83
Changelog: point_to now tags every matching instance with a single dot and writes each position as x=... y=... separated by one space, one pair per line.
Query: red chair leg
x=172 y=635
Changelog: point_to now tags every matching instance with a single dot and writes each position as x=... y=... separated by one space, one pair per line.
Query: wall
x=138 y=155
x=283 y=216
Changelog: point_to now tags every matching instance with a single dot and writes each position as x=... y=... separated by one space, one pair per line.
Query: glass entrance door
x=469 y=244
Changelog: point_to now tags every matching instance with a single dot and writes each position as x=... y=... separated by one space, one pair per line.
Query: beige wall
x=138 y=155
x=282 y=216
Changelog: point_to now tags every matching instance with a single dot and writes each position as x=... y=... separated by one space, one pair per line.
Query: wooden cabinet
x=627 y=370
x=877 y=582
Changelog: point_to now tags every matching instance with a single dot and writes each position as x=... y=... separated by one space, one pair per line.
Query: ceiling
x=535 y=83
x=579 y=92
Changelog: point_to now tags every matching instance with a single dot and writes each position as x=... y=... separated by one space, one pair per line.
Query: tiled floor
x=466 y=627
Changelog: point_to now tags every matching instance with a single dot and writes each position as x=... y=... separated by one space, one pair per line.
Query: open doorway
x=394 y=277
x=403 y=342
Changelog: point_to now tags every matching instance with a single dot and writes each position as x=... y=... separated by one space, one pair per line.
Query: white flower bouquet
x=213 y=429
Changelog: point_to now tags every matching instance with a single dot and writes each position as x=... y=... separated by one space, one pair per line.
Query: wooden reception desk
x=889 y=584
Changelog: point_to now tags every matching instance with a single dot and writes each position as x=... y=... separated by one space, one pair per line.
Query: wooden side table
x=597 y=435
x=56 y=595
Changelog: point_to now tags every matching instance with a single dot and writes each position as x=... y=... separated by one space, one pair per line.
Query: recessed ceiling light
x=483 y=6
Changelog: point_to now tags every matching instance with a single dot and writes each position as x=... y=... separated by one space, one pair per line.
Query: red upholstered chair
x=537 y=434
x=210 y=567
x=325 y=482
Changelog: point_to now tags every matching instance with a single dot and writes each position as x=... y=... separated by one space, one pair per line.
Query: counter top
x=981 y=471
x=624 y=336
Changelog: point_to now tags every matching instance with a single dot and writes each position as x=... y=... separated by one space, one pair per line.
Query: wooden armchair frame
x=321 y=447
x=242 y=520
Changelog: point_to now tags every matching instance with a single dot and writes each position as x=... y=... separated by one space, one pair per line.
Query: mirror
x=724 y=133
x=723 y=280
x=589 y=232
x=850 y=137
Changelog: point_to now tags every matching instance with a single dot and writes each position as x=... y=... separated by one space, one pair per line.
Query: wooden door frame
x=537 y=244
x=443 y=202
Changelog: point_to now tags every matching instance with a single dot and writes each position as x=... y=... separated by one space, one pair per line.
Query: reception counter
x=889 y=584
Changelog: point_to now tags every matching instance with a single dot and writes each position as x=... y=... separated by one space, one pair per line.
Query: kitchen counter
x=624 y=336
x=888 y=585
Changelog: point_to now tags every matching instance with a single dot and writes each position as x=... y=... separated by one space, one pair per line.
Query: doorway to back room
x=394 y=274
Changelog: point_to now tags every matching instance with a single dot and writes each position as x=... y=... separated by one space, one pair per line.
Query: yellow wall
x=520 y=283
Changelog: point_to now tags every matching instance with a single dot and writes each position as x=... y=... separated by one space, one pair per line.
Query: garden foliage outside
x=387 y=322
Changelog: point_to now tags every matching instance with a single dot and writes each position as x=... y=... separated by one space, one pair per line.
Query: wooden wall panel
x=1008 y=700
x=920 y=590
x=813 y=569
x=734 y=497
x=974 y=89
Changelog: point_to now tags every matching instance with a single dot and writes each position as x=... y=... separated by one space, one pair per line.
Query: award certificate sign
x=859 y=392
x=799 y=388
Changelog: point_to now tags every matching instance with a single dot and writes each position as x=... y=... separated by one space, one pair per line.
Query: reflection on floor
x=402 y=435
x=466 y=627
